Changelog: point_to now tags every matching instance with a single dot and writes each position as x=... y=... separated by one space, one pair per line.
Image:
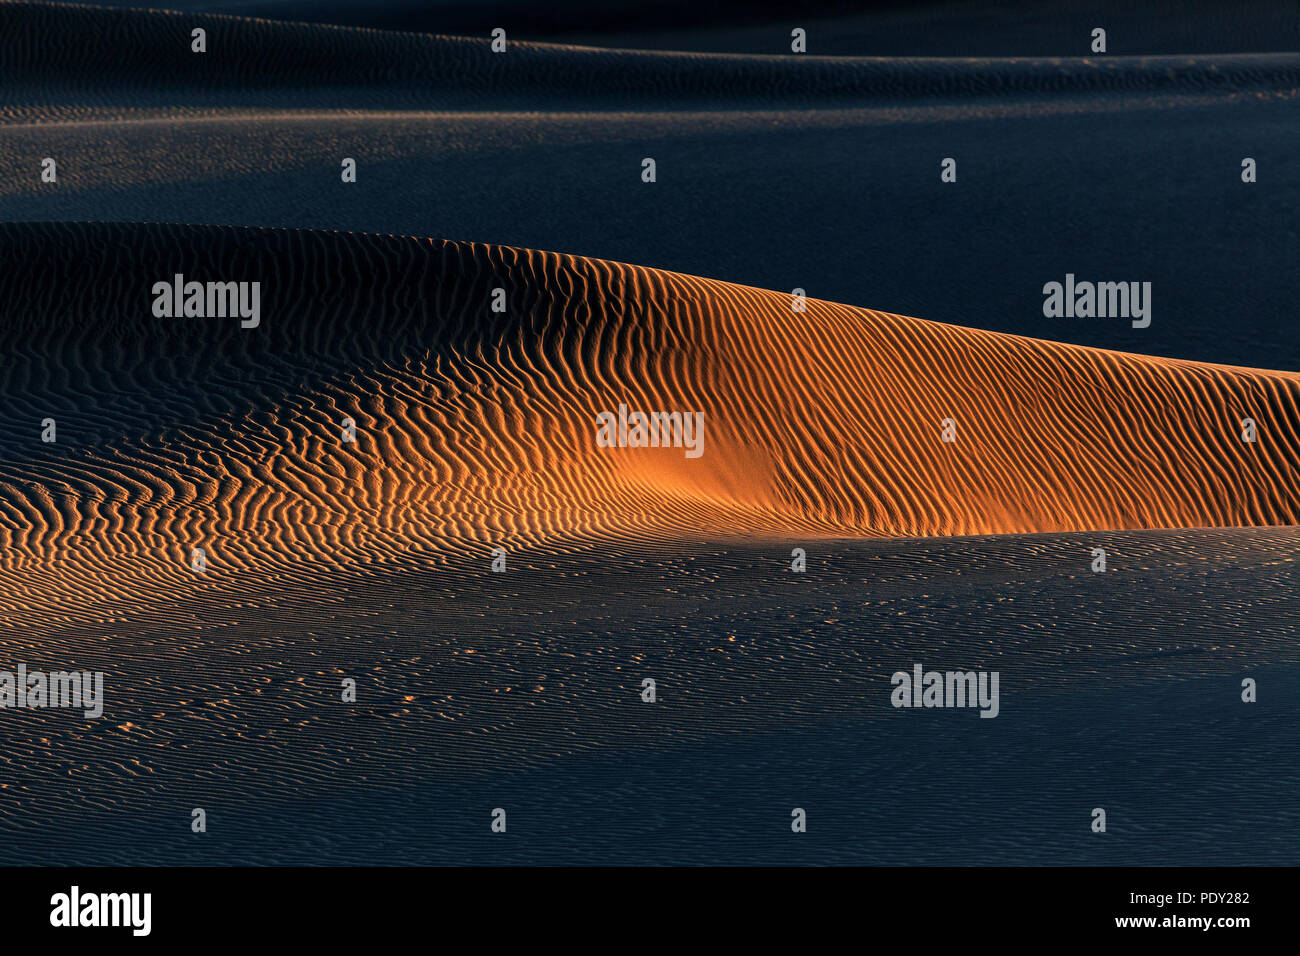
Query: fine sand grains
x=477 y=429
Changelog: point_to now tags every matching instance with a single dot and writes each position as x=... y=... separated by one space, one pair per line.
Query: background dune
x=139 y=55
x=836 y=27
x=773 y=171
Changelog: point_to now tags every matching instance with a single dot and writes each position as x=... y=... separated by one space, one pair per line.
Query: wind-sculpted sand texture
x=120 y=56
x=522 y=690
x=477 y=429
x=760 y=159
x=132 y=441
x=983 y=28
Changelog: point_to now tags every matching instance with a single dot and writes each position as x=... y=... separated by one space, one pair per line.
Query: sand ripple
x=476 y=429
x=135 y=58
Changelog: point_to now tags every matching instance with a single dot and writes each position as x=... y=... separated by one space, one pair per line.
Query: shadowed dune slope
x=143 y=59
x=759 y=159
x=477 y=429
x=835 y=27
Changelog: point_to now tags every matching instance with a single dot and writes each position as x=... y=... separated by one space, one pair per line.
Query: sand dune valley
x=605 y=430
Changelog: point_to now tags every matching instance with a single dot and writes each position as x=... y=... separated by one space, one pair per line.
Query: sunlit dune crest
x=476 y=429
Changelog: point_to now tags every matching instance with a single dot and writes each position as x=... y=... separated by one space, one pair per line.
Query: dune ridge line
x=476 y=429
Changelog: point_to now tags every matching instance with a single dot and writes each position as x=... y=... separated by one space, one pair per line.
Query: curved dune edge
x=49 y=52
x=476 y=429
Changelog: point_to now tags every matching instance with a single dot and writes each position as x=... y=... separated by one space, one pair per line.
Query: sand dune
x=369 y=561
x=521 y=690
x=476 y=429
x=143 y=58
x=865 y=28
x=542 y=148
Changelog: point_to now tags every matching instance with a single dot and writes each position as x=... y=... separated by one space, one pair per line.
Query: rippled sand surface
x=480 y=690
x=327 y=560
x=817 y=172
x=477 y=429
x=370 y=560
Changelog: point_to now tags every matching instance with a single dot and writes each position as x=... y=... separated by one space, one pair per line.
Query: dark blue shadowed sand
x=773 y=694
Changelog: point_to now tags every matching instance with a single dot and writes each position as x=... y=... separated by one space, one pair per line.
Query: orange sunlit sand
x=476 y=429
